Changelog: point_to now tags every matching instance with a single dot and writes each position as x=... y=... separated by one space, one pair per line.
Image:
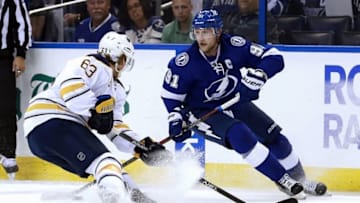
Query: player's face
x=207 y=40
x=119 y=66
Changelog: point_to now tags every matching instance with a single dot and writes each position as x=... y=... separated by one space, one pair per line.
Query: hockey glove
x=102 y=117
x=251 y=82
x=176 y=122
x=155 y=155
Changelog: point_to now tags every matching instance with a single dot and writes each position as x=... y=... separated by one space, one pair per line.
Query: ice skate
x=112 y=190
x=291 y=187
x=10 y=166
x=314 y=188
x=138 y=197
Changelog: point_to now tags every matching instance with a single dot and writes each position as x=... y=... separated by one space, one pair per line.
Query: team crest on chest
x=182 y=59
x=237 y=41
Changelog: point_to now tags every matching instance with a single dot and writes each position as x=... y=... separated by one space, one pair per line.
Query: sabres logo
x=182 y=59
x=237 y=41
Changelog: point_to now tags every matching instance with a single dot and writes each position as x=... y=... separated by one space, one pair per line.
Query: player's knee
x=106 y=162
x=280 y=146
x=241 y=138
x=272 y=134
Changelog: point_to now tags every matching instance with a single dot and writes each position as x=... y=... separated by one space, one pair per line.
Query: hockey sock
x=283 y=150
x=130 y=183
x=107 y=172
x=243 y=141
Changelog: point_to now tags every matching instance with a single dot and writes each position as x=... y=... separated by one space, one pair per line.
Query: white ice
x=34 y=191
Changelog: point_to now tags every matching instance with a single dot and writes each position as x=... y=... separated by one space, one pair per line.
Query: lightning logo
x=205 y=128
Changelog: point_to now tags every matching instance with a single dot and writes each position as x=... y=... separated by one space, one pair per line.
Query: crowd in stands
x=288 y=21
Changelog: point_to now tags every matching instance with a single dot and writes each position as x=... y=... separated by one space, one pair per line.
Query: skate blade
x=300 y=196
x=11 y=176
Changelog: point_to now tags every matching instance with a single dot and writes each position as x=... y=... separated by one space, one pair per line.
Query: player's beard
x=209 y=49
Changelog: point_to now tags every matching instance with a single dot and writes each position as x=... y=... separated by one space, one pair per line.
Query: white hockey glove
x=252 y=78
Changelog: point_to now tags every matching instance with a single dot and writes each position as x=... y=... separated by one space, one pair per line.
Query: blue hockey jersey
x=85 y=33
x=200 y=82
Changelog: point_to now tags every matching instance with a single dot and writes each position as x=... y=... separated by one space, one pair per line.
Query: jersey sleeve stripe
x=121 y=125
x=70 y=88
x=271 y=52
x=39 y=106
x=170 y=95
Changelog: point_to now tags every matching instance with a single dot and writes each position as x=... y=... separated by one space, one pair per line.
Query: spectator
x=178 y=30
x=100 y=22
x=142 y=26
x=275 y=7
x=37 y=20
x=43 y=23
x=15 y=40
x=314 y=7
x=75 y=13
x=223 y=7
x=294 y=7
x=356 y=13
x=245 y=22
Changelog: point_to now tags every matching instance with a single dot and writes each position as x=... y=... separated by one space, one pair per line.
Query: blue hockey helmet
x=207 y=19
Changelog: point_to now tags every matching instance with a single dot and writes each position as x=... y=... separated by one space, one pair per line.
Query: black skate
x=291 y=187
x=314 y=188
x=138 y=197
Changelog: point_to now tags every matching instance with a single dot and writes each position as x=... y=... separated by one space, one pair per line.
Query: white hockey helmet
x=114 y=45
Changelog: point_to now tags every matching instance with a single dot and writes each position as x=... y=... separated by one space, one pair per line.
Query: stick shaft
x=167 y=139
x=220 y=190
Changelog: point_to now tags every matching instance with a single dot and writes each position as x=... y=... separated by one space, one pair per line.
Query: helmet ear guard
x=114 y=45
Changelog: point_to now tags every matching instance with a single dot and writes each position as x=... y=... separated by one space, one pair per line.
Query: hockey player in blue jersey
x=211 y=72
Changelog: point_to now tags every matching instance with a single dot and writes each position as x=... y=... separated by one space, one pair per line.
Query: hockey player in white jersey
x=87 y=95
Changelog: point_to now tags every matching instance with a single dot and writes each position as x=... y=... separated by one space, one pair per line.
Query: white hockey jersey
x=75 y=92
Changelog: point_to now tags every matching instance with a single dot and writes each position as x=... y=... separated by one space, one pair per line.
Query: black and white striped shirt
x=15 y=27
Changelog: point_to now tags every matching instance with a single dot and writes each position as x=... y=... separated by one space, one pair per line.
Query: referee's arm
x=23 y=30
x=15 y=26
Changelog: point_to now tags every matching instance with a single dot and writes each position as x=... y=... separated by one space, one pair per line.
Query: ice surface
x=33 y=191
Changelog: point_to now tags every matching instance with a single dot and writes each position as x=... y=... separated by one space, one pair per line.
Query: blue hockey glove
x=156 y=155
x=102 y=116
x=176 y=121
x=251 y=82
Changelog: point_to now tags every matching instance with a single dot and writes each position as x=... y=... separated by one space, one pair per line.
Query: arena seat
x=312 y=37
x=337 y=24
x=350 y=38
x=287 y=24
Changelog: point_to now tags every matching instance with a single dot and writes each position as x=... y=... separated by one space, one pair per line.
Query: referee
x=15 y=40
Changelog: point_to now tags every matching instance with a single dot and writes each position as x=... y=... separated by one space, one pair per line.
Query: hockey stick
x=186 y=128
x=203 y=181
x=220 y=108
x=193 y=124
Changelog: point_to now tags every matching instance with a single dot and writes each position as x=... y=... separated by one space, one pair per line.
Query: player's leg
x=270 y=134
x=8 y=120
x=235 y=135
x=74 y=148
